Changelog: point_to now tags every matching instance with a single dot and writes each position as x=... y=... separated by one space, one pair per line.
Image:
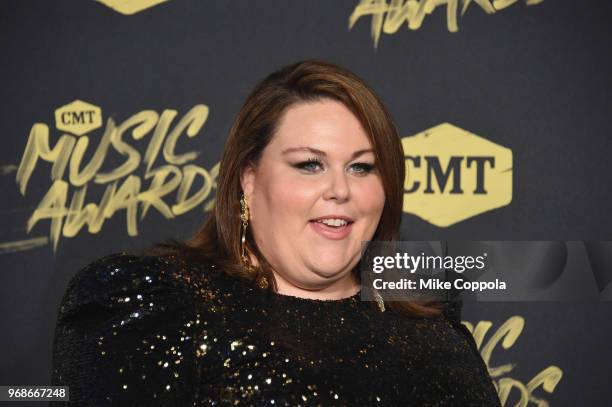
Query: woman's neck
x=336 y=290
x=343 y=288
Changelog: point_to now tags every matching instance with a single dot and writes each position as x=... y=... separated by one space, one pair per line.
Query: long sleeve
x=476 y=374
x=124 y=334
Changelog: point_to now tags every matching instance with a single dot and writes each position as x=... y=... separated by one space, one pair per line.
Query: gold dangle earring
x=262 y=281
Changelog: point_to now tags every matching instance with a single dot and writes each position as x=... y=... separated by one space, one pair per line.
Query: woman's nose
x=337 y=186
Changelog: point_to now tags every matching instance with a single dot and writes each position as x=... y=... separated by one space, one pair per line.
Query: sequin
x=208 y=339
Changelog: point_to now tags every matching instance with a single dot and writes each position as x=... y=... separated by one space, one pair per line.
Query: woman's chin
x=329 y=269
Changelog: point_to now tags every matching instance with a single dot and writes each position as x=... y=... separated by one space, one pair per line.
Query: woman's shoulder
x=123 y=272
x=123 y=316
x=123 y=267
x=445 y=341
x=446 y=330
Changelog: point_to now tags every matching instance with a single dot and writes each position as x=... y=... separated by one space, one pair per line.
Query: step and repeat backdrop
x=115 y=112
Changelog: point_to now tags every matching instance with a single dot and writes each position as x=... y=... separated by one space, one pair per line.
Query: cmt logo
x=452 y=175
x=78 y=117
x=129 y=7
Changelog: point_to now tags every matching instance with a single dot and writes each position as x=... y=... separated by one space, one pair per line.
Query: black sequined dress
x=148 y=331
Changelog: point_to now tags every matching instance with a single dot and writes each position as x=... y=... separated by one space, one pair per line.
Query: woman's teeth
x=333 y=222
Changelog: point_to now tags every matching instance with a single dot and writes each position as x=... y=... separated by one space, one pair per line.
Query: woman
x=262 y=306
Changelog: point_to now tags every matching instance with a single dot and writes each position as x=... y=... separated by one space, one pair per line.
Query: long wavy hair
x=218 y=239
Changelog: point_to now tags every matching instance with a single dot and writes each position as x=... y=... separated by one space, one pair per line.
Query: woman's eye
x=363 y=168
x=313 y=165
x=310 y=165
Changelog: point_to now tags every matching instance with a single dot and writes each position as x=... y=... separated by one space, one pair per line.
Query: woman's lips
x=332 y=232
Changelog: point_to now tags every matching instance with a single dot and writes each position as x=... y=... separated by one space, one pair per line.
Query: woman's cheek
x=371 y=195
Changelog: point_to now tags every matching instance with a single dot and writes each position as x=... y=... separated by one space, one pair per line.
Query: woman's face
x=318 y=167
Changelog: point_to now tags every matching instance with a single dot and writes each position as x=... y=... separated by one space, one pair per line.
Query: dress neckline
x=353 y=299
x=304 y=300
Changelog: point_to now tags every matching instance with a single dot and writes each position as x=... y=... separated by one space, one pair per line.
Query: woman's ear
x=247 y=179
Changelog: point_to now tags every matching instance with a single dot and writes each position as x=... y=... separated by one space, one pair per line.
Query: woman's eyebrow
x=322 y=153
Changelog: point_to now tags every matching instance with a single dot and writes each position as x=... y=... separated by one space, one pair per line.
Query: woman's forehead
x=323 y=125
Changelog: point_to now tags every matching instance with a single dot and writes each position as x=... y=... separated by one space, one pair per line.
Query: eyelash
x=366 y=168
